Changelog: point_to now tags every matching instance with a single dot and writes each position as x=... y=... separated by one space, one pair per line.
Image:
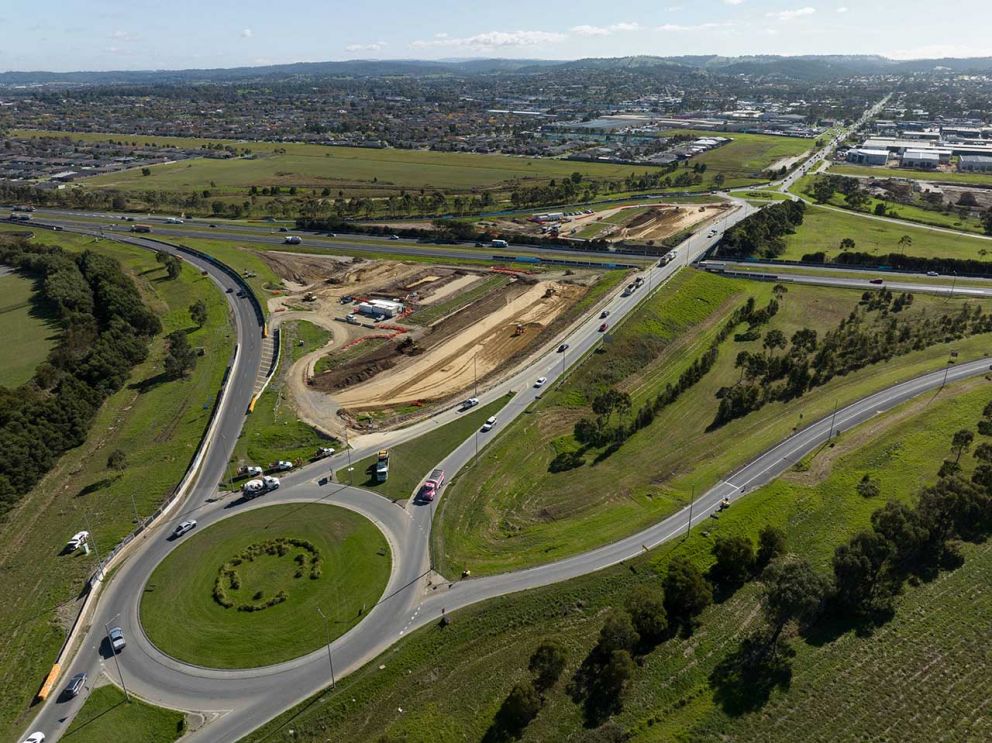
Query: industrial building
x=920 y=159
x=380 y=308
x=868 y=157
x=975 y=164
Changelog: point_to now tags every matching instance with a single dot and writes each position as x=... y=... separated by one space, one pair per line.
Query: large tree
x=687 y=592
x=793 y=592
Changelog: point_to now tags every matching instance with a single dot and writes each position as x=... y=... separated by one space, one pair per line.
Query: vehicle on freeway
x=500 y=244
x=213 y=226
x=488 y=425
x=603 y=327
x=282 y=465
x=479 y=244
x=77 y=541
x=540 y=381
x=284 y=229
x=394 y=237
x=185 y=526
x=76 y=684
x=117 y=642
x=562 y=348
x=174 y=220
x=432 y=484
x=932 y=273
x=876 y=281
x=229 y=290
x=470 y=403
x=604 y=313
x=241 y=293
x=292 y=240
x=36 y=737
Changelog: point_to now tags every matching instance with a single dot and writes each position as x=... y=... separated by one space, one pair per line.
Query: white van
x=488 y=425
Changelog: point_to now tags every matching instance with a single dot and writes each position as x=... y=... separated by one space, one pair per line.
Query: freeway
x=346 y=243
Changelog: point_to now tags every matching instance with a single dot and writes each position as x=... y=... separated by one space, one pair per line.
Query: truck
x=260 y=486
x=382 y=466
x=140 y=228
x=500 y=244
x=433 y=483
x=292 y=240
x=174 y=220
x=628 y=290
x=20 y=217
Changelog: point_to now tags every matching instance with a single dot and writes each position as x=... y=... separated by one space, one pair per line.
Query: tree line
x=901 y=262
x=806 y=361
x=611 y=428
x=106 y=330
x=763 y=233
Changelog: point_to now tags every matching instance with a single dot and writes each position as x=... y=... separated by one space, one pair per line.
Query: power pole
x=832 y=418
x=96 y=548
x=117 y=662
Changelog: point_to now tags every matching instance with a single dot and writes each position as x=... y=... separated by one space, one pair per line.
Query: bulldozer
x=518 y=330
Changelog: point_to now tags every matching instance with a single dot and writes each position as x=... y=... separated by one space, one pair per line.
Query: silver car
x=117 y=642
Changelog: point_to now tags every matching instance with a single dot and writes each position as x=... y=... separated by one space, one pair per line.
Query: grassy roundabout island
x=245 y=591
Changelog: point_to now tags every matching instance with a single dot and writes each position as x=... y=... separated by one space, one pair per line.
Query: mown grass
x=108 y=716
x=28 y=329
x=745 y=157
x=157 y=423
x=272 y=431
x=317 y=166
x=182 y=619
x=410 y=463
x=512 y=512
x=823 y=229
x=919 y=677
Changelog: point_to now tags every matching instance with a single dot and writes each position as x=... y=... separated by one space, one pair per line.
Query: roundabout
x=245 y=592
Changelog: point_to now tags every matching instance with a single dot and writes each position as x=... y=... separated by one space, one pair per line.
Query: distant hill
x=810 y=67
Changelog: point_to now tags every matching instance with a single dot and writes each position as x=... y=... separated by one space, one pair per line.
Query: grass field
x=158 y=424
x=823 y=229
x=920 y=677
x=28 y=329
x=182 y=619
x=107 y=716
x=317 y=166
x=273 y=432
x=963 y=179
x=410 y=463
x=743 y=159
x=511 y=512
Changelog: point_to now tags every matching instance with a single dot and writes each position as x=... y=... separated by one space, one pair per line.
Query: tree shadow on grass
x=105 y=482
x=585 y=688
x=744 y=681
x=147 y=385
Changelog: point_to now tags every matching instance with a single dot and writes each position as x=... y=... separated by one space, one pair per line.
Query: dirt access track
x=482 y=346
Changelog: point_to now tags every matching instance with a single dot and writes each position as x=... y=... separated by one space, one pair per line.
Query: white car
x=488 y=425
x=271 y=483
x=184 y=527
x=38 y=737
x=470 y=403
x=540 y=381
x=77 y=541
x=932 y=273
x=117 y=642
x=253 y=470
x=325 y=451
x=283 y=465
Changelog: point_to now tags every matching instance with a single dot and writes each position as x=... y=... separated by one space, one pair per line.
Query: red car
x=602 y=328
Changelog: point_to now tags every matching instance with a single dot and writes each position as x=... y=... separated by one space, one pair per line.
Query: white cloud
x=126 y=36
x=788 y=15
x=493 y=40
x=842 y=9
x=246 y=33
x=733 y=2
x=676 y=27
x=373 y=47
x=613 y=28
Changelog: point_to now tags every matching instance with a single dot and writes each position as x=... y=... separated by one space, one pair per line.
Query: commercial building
x=975 y=164
x=868 y=157
x=920 y=159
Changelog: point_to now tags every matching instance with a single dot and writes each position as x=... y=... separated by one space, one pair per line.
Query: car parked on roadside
x=470 y=403
x=282 y=465
x=77 y=541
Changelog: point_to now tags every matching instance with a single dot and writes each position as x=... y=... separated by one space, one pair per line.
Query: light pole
x=96 y=548
x=832 y=418
x=347 y=446
x=113 y=651
x=475 y=368
x=327 y=632
x=692 y=497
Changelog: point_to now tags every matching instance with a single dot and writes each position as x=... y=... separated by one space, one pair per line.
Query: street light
x=113 y=651
x=327 y=632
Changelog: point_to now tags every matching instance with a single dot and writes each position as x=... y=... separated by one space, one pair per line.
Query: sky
x=62 y=35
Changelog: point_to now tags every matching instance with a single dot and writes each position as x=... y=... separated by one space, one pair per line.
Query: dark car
x=876 y=281
x=76 y=684
x=562 y=348
x=284 y=229
x=602 y=328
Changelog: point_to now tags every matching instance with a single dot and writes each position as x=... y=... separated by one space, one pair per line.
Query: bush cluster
x=308 y=563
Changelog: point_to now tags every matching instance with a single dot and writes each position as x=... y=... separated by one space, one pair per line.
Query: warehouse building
x=921 y=159
x=868 y=157
x=975 y=164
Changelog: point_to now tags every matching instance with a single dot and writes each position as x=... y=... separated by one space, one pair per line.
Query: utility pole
x=351 y=478
x=475 y=367
x=832 y=418
x=327 y=632
x=110 y=644
x=96 y=548
x=137 y=518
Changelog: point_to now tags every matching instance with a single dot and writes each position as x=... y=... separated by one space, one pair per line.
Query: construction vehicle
x=518 y=330
x=382 y=466
x=309 y=297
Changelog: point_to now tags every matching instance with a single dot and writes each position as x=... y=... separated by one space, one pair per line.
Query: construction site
x=410 y=336
x=640 y=224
